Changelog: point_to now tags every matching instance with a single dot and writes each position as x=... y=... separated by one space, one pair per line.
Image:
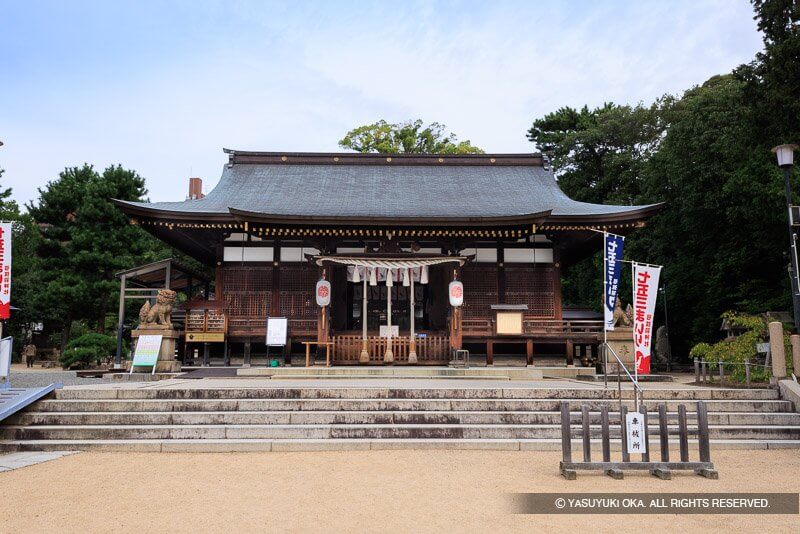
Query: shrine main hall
x=389 y=234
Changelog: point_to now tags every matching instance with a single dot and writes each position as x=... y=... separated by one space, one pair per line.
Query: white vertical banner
x=645 y=291
x=5 y=270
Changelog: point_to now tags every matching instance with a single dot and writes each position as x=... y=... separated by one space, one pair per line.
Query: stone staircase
x=319 y=418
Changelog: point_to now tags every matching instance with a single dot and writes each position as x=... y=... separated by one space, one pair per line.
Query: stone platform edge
x=524 y=373
x=333 y=445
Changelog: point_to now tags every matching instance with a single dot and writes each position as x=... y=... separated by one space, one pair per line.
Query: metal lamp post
x=785 y=154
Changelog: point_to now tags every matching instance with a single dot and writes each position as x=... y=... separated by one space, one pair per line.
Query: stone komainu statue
x=622 y=317
x=160 y=314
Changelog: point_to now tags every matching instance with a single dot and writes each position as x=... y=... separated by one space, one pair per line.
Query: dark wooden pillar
x=275 y=292
x=219 y=281
x=490 y=351
x=501 y=275
x=570 y=352
x=247 y=353
x=557 y=303
x=529 y=351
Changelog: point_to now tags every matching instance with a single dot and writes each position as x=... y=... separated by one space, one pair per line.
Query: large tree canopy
x=410 y=137
x=722 y=233
x=84 y=240
x=599 y=153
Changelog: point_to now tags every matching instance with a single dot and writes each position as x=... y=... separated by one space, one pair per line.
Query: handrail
x=637 y=389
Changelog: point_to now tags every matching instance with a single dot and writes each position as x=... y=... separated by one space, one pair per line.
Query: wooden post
x=606 y=436
x=747 y=371
x=702 y=432
x=697 y=370
x=705 y=448
x=626 y=457
x=388 y=356
x=566 y=442
x=364 y=356
x=120 y=323
x=529 y=352
x=489 y=352
x=683 y=432
x=206 y=355
x=570 y=353
x=586 y=431
x=412 y=342
x=247 y=353
x=566 y=432
x=663 y=431
x=168 y=275
x=308 y=354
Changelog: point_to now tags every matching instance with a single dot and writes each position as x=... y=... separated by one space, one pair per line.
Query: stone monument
x=156 y=320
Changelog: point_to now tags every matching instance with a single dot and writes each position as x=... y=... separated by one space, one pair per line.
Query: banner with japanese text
x=5 y=270
x=645 y=291
x=613 y=265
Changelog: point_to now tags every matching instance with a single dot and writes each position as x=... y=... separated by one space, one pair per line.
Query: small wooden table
x=328 y=345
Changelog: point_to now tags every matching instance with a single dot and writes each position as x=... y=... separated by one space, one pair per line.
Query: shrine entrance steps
x=179 y=417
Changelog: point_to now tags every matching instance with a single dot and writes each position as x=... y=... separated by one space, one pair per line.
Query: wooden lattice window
x=247 y=290
x=297 y=285
x=533 y=286
x=480 y=290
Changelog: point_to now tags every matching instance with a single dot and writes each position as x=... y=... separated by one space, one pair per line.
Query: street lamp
x=785 y=154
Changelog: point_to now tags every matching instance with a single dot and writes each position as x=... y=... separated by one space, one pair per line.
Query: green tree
x=84 y=240
x=23 y=261
x=721 y=234
x=410 y=137
x=599 y=154
x=772 y=79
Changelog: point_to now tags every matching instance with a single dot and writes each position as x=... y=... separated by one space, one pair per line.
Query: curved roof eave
x=635 y=213
x=144 y=209
x=531 y=218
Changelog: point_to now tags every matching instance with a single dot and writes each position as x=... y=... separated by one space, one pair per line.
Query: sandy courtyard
x=394 y=491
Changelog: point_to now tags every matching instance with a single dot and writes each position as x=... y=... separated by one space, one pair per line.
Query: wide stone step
x=261 y=405
x=296 y=445
x=376 y=431
x=362 y=417
x=410 y=393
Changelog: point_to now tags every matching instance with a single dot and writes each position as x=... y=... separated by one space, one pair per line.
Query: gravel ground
x=371 y=491
x=38 y=377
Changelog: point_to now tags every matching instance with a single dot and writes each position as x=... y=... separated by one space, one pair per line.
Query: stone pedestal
x=166 y=357
x=621 y=340
x=795 y=339
x=777 y=350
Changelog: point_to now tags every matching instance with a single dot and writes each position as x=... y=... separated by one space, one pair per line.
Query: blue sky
x=161 y=87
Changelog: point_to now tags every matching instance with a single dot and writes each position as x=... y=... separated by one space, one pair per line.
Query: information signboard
x=5 y=361
x=277 y=328
x=146 y=353
x=634 y=426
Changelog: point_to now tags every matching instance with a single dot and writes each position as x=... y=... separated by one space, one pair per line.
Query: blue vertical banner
x=612 y=265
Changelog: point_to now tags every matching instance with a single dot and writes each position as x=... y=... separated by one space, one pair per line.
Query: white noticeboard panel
x=384 y=331
x=146 y=353
x=276 y=331
x=5 y=358
x=634 y=426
